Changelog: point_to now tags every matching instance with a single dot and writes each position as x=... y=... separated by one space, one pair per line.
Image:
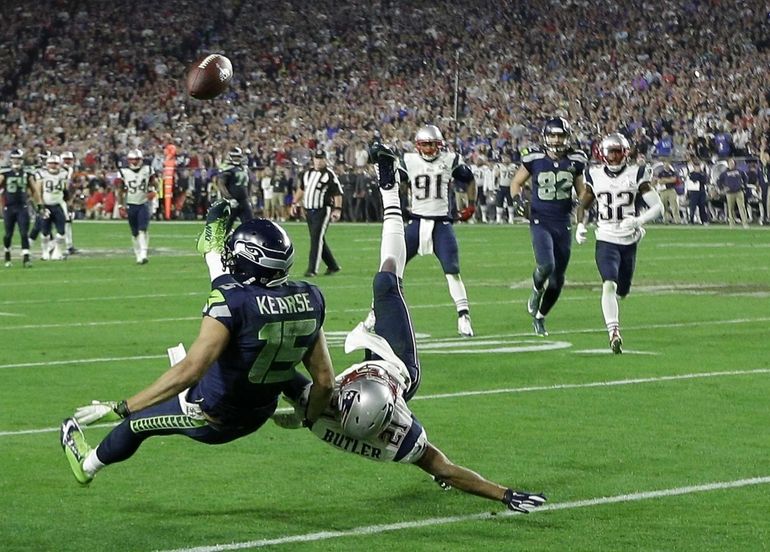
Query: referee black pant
x=317 y=223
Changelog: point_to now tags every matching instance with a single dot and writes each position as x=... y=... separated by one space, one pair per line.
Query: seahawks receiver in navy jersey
x=256 y=328
x=233 y=185
x=615 y=187
x=554 y=169
x=368 y=414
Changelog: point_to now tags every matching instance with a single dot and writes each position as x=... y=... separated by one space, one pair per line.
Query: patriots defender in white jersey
x=430 y=172
x=138 y=181
x=52 y=180
x=615 y=187
x=368 y=414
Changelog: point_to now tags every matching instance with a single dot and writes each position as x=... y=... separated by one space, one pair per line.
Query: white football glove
x=581 y=233
x=630 y=223
x=97 y=411
x=640 y=232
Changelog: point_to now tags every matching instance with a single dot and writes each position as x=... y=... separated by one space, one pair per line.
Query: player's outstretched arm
x=319 y=364
x=438 y=465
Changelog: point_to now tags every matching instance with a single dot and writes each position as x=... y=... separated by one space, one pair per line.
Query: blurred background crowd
x=686 y=81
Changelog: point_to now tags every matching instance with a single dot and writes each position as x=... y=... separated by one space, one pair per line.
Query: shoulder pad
x=577 y=155
x=532 y=155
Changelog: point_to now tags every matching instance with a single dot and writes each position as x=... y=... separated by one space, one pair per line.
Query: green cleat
x=75 y=449
x=215 y=232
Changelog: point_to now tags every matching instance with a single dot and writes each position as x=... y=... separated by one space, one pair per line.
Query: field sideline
x=662 y=448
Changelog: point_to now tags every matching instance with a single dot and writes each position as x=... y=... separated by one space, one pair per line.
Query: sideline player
x=615 y=186
x=555 y=170
x=53 y=182
x=368 y=413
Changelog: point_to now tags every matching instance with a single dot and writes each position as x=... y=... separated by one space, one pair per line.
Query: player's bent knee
x=384 y=282
x=546 y=269
x=610 y=287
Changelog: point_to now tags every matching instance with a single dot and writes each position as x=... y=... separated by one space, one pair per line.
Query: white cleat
x=464 y=327
x=370 y=321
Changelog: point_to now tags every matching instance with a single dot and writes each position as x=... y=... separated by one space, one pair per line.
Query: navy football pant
x=616 y=263
x=552 y=245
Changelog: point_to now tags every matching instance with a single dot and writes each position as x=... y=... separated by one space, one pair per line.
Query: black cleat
x=539 y=326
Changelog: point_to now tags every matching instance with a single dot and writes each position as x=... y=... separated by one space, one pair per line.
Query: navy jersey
x=271 y=330
x=15 y=186
x=552 y=181
x=236 y=180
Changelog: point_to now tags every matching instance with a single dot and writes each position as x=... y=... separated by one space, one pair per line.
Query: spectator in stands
x=665 y=184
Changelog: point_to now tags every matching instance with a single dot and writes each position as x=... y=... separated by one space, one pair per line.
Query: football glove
x=630 y=223
x=467 y=213
x=384 y=159
x=233 y=203
x=101 y=411
x=640 y=233
x=581 y=233
x=520 y=501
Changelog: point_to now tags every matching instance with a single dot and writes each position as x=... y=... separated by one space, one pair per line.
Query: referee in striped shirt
x=320 y=193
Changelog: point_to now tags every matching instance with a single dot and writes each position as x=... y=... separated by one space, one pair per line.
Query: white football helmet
x=53 y=163
x=366 y=401
x=68 y=158
x=614 y=150
x=428 y=142
x=135 y=158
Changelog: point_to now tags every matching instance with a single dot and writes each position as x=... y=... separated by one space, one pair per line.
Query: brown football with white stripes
x=209 y=76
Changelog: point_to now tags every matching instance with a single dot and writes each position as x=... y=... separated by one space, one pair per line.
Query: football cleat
x=214 y=234
x=539 y=326
x=7 y=264
x=330 y=271
x=75 y=449
x=533 y=304
x=26 y=263
x=464 y=327
x=287 y=420
x=616 y=342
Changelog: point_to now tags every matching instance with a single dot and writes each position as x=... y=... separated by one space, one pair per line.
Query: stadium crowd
x=677 y=78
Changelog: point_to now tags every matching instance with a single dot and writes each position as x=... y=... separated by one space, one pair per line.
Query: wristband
x=121 y=409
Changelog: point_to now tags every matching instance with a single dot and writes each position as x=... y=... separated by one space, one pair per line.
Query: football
x=209 y=76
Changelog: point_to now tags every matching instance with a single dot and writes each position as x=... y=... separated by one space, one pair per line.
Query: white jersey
x=429 y=182
x=54 y=185
x=615 y=200
x=404 y=440
x=489 y=181
x=136 y=183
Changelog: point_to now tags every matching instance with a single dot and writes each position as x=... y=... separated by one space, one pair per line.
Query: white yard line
x=432 y=522
x=511 y=390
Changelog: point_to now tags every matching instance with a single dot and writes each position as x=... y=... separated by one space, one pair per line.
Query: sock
x=45 y=243
x=499 y=215
x=144 y=242
x=393 y=244
x=68 y=234
x=137 y=250
x=457 y=291
x=610 y=306
x=92 y=464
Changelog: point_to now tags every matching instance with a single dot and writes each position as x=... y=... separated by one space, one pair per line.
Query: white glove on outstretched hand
x=581 y=233
x=630 y=223
x=97 y=411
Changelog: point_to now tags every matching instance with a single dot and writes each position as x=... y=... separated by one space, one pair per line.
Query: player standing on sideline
x=320 y=193
x=52 y=180
x=18 y=186
x=68 y=164
x=256 y=328
x=37 y=223
x=233 y=186
x=615 y=186
x=138 y=180
x=430 y=230
x=555 y=169
x=368 y=413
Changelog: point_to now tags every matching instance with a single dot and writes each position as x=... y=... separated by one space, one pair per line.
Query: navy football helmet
x=556 y=135
x=235 y=156
x=259 y=252
x=17 y=159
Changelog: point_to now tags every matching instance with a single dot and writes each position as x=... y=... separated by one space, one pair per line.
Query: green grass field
x=665 y=447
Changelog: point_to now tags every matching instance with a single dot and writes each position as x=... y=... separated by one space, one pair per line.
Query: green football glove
x=101 y=411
